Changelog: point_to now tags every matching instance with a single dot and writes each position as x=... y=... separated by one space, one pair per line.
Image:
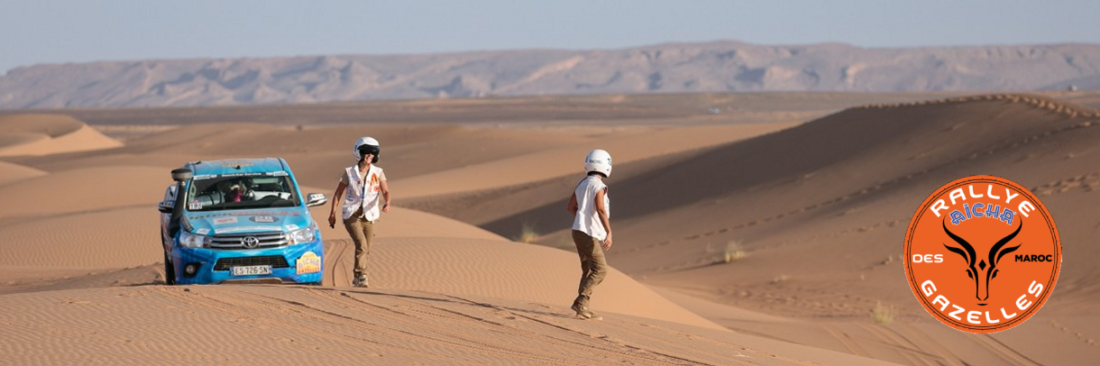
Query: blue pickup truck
x=241 y=220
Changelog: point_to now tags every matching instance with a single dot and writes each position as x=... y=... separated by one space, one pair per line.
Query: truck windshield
x=240 y=192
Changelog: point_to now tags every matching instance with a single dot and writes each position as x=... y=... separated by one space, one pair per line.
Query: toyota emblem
x=250 y=242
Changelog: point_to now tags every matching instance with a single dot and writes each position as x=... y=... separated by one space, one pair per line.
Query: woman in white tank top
x=590 y=206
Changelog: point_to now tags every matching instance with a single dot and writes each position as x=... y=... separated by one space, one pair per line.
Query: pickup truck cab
x=240 y=220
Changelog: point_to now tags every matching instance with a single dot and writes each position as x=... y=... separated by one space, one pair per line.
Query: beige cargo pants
x=362 y=232
x=593 y=266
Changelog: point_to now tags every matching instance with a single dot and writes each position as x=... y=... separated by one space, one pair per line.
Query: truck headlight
x=302 y=236
x=189 y=240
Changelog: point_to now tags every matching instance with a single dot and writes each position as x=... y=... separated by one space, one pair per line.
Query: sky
x=54 y=31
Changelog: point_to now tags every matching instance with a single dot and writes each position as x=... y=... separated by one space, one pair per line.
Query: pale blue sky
x=54 y=31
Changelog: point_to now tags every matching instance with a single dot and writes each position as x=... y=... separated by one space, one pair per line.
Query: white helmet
x=598 y=161
x=366 y=143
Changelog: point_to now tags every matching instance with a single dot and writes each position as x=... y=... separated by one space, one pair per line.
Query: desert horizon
x=751 y=228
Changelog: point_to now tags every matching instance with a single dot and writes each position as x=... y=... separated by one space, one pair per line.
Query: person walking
x=365 y=186
x=591 y=208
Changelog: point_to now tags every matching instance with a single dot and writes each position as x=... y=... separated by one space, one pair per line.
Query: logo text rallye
x=982 y=254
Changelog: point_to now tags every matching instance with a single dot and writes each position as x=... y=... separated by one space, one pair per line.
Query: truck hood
x=247 y=221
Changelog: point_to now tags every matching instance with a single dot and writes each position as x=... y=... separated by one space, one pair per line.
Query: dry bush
x=734 y=252
x=527 y=234
x=882 y=314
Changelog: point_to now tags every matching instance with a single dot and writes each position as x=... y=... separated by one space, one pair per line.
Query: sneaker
x=582 y=311
x=360 y=281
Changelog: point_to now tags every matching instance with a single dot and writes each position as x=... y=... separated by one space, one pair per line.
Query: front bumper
x=301 y=263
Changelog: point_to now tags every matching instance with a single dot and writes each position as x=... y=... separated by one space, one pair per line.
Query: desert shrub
x=527 y=234
x=734 y=252
x=882 y=314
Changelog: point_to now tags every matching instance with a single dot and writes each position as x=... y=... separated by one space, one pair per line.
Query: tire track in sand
x=923 y=341
x=340 y=254
x=417 y=310
x=906 y=348
x=619 y=345
x=846 y=339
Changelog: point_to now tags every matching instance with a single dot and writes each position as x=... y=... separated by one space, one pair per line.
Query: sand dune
x=467 y=261
x=116 y=238
x=36 y=135
x=401 y=222
x=486 y=158
x=498 y=269
x=487 y=266
x=153 y=324
x=842 y=188
x=893 y=158
x=10 y=173
x=317 y=155
x=857 y=201
x=129 y=236
x=87 y=189
x=815 y=213
x=13 y=139
x=552 y=163
x=542 y=208
x=50 y=125
x=843 y=159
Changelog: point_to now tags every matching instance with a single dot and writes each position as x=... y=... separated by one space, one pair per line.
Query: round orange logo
x=982 y=254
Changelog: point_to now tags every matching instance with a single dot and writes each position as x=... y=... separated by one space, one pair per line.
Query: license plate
x=250 y=270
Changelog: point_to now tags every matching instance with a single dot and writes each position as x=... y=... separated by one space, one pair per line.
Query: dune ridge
x=10 y=173
x=1065 y=108
x=51 y=125
x=48 y=134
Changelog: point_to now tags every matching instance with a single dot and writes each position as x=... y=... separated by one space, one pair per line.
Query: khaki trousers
x=593 y=265
x=362 y=232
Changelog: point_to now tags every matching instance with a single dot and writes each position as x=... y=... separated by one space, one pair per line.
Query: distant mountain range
x=666 y=68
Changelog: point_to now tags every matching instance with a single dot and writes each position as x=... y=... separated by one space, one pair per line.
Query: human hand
x=386 y=208
x=606 y=243
x=332 y=221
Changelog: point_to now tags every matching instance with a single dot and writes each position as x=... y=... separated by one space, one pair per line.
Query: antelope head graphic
x=979 y=269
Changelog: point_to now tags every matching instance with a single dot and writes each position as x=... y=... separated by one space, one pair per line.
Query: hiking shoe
x=582 y=311
x=360 y=281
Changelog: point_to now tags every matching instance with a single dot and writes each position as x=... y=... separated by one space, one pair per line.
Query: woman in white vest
x=364 y=184
x=591 y=210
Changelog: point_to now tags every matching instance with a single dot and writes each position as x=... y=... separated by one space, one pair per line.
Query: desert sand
x=765 y=234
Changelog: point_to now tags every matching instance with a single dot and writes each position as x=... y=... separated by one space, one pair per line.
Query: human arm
x=601 y=209
x=336 y=197
x=571 y=208
x=385 y=195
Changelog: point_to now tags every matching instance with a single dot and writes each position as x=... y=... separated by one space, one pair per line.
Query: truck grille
x=264 y=240
x=275 y=261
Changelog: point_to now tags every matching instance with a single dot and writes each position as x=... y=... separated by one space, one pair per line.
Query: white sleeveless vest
x=363 y=193
x=588 y=220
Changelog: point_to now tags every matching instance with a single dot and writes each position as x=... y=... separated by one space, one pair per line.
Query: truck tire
x=169 y=271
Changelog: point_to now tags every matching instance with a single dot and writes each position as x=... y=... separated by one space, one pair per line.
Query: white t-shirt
x=588 y=220
x=363 y=191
